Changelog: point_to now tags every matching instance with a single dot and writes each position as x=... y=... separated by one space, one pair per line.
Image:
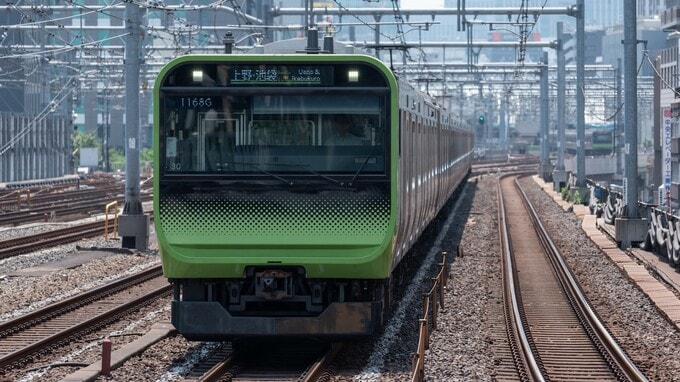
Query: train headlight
x=353 y=75
x=197 y=75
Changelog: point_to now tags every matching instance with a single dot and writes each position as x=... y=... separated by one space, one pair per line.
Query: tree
x=80 y=140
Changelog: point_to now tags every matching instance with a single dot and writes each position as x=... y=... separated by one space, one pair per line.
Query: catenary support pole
x=580 y=97
x=546 y=167
x=630 y=228
x=133 y=224
x=630 y=104
x=559 y=174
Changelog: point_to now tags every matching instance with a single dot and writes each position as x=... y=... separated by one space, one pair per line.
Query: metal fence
x=432 y=302
x=32 y=148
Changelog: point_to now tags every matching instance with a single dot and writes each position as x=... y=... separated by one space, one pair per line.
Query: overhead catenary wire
x=64 y=92
x=645 y=58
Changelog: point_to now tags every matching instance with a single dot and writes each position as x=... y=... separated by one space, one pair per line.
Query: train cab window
x=264 y=134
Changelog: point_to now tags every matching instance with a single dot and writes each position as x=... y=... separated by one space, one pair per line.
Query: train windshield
x=242 y=119
x=269 y=130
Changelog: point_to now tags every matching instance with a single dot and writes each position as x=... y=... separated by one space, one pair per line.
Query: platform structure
x=635 y=263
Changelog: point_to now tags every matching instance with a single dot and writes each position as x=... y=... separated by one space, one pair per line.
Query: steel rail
x=44 y=344
x=512 y=293
x=614 y=352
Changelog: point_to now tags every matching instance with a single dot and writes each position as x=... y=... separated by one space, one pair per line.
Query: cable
x=342 y=7
x=60 y=97
x=644 y=59
x=663 y=80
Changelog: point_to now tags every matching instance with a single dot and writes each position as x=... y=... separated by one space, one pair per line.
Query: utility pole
x=630 y=228
x=546 y=166
x=580 y=97
x=134 y=224
x=618 y=132
x=560 y=175
x=630 y=100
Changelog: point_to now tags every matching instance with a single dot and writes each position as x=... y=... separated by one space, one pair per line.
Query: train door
x=216 y=139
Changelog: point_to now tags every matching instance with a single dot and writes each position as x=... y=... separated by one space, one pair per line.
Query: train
x=264 y=227
x=599 y=140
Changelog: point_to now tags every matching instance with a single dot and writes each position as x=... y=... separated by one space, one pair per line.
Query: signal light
x=481 y=119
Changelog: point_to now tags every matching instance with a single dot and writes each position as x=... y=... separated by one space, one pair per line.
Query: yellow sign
x=323 y=4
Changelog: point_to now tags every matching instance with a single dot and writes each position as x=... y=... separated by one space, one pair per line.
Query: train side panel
x=427 y=181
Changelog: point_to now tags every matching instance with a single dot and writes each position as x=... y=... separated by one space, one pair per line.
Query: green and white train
x=266 y=225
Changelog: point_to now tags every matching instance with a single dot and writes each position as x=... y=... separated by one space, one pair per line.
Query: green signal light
x=481 y=119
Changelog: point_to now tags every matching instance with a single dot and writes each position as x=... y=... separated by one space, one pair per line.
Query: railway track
x=38 y=332
x=49 y=198
x=555 y=333
x=512 y=164
x=38 y=214
x=299 y=362
x=30 y=243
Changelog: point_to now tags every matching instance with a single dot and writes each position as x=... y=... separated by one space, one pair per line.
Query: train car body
x=599 y=140
x=270 y=226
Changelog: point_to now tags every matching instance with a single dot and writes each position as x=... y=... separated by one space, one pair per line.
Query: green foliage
x=80 y=140
x=87 y=139
x=585 y=199
x=565 y=193
x=146 y=155
x=577 y=197
x=116 y=156
x=116 y=159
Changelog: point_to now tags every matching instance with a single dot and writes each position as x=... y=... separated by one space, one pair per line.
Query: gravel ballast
x=462 y=348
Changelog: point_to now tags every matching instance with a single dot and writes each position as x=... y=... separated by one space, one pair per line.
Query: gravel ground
x=25 y=293
x=22 y=294
x=648 y=338
x=461 y=349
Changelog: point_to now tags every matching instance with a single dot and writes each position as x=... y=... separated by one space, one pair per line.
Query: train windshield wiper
x=310 y=171
x=368 y=157
x=258 y=168
x=288 y=182
x=381 y=133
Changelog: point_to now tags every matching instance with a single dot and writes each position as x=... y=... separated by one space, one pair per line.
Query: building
x=668 y=174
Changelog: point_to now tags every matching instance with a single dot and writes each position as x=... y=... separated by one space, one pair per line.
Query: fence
x=432 y=302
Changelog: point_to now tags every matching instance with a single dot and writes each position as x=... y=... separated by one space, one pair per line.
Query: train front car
x=274 y=204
